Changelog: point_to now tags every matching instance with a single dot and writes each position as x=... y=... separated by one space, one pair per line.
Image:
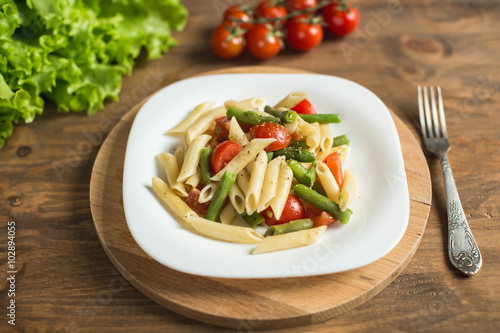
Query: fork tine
x=427 y=110
x=435 y=119
x=441 y=112
x=421 y=112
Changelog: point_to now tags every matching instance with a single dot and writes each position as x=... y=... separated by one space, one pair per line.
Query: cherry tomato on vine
x=273 y=131
x=240 y=13
x=304 y=33
x=271 y=9
x=262 y=42
x=340 y=19
x=223 y=154
x=293 y=210
x=300 y=4
x=227 y=42
x=304 y=107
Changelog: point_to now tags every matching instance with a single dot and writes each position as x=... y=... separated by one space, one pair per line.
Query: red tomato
x=262 y=43
x=304 y=107
x=293 y=210
x=226 y=42
x=318 y=217
x=267 y=9
x=239 y=13
x=340 y=19
x=300 y=4
x=304 y=33
x=194 y=204
x=333 y=163
x=272 y=130
x=223 y=153
x=221 y=130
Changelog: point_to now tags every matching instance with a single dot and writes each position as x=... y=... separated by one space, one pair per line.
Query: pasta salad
x=278 y=166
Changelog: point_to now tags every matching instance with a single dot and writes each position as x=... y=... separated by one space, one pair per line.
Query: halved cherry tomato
x=340 y=19
x=194 y=204
x=304 y=107
x=227 y=42
x=318 y=217
x=293 y=210
x=271 y=9
x=223 y=153
x=262 y=42
x=272 y=130
x=300 y=4
x=333 y=163
x=241 y=13
x=304 y=32
x=221 y=130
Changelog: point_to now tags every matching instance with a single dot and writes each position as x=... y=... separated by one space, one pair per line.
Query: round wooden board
x=249 y=304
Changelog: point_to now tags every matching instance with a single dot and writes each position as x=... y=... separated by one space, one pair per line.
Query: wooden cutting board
x=248 y=304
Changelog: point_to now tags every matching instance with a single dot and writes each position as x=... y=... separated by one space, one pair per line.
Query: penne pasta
x=236 y=133
x=196 y=114
x=192 y=158
x=257 y=103
x=284 y=184
x=348 y=191
x=289 y=240
x=326 y=141
x=172 y=200
x=328 y=182
x=237 y=198
x=207 y=193
x=228 y=214
x=195 y=179
x=292 y=100
x=179 y=156
x=270 y=183
x=169 y=163
x=199 y=127
x=244 y=157
x=256 y=181
x=225 y=232
x=309 y=131
x=243 y=178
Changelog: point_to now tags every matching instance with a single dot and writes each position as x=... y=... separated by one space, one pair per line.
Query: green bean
x=340 y=141
x=322 y=203
x=206 y=154
x=291 y=226
x=325 y=118
x=270 y=156
x=220 y=196
x=295 y=153
x=299 y=144
x=255 y=220
x=319 y=188
x=287 y=116
x=304 y=176
x=249 y=117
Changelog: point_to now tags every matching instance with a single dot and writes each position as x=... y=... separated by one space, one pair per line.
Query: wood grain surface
x=66 y=282
x=267 y=303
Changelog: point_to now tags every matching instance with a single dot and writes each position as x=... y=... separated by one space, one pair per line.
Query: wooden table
x=65 y=281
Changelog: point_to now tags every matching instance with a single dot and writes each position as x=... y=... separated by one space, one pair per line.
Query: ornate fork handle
x=462 y=248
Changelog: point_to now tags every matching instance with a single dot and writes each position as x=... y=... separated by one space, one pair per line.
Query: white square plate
x=381 y=208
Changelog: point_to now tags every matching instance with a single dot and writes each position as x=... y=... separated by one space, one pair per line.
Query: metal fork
x=462 y=248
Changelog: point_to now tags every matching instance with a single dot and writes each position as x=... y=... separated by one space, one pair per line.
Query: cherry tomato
x=304 y=107
x=272 y=130
x=333 y=163
x=303 y=33
x=223 y=153
x=262 y=43
x=269 y=9
x=226 y=42
x=293 y=210
x=240 y=13
x=340 y=20
x=318 y=217
x=221 y=130
x=194 y=204
x=300 y=4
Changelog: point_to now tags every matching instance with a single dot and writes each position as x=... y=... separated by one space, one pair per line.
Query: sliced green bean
x=340 y=141
x=206 y=154
x=322 y=203
x=250 y=117
x=291 y=226
x=304 y=176
x=295 y=153
x=255 y=220
x=220 y=196
x=299 y=144
x=287 y=116
x=324 y=118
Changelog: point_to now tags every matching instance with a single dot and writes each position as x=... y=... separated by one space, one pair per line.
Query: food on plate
x=269 y=166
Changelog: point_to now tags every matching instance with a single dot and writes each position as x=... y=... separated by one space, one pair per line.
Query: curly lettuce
x=75 y=52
